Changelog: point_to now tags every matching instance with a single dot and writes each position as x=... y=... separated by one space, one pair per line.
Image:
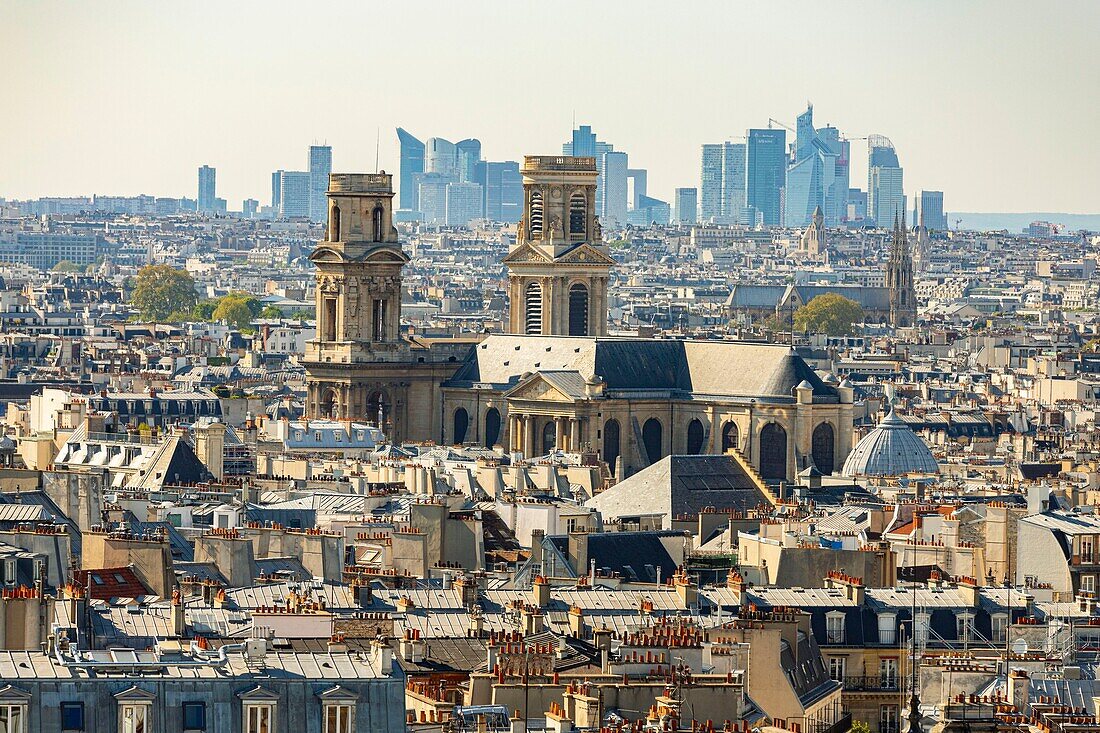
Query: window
x=536 y=215
x=134 y=718
x=578 y=310
x=9 y=571
x=887 y=628
x=1088 y=583
x=888 y=673
x=376 y=224
x=837 y=667
x=194 y=716
x=888 y=719
x=577 y=216
x=378 y=327
x=964 y=626
x=259 y=718
x=1086 y=549
x=1000 y=626
x=532 y=308
x=339 y=718
x=921 y=626
x=72 y=716
x=13 y=718
x=834 y=628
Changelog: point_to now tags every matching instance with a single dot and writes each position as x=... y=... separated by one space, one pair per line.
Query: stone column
x=574 y=434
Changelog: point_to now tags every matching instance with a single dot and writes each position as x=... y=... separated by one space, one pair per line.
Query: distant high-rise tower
x=584 y=144
x=766 y=173
x=899 y=277
x=817 y=175
x=722 y=189
x=687 y=205
x=930 y=212
x=412 y=165
x=885 y=189
x=294 y=193
x=614 y=187
x=467 y=160
x=207 y=190
x=503 y=191
x=440 y=158
x=559 y=267
x=320 y=166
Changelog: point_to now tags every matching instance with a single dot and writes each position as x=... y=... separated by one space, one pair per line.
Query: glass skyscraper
x=687 y=205
x=766 y=169
x=467 y=158
x=320 y=166
x=411 y=166
x=722 y=183
x=817 y=175
x=930 y=212
x=503 y=191
x=885 y=186
x=207 y=189
x=294 y=194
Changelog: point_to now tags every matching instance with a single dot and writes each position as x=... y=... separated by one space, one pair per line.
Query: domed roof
x=891 y=449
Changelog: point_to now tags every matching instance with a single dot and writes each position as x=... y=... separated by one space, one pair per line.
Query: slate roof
x=636 y=556
x=682 y=485
x=766 y=372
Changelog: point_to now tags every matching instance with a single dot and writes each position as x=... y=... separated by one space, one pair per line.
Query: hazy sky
x=997 y=103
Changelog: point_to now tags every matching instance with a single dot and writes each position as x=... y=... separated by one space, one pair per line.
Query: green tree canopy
x=67 y=266
x=271 y=312
x=830 y=314
x=160 y=290
x=204 y=310
x=234 y=309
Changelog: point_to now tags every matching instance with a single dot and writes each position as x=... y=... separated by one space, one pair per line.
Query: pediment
x=536 y=387
x=585 y=254
x=14 y=696
x=337 y=693
x=327 y=254
x=525 y=253
x=135 y=695
x=384 y=255
x=258 y=694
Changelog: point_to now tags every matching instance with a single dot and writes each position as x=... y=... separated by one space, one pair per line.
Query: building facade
x=766 y=165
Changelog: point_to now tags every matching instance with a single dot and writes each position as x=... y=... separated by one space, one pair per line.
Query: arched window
x=822 y=448
x=462 y=423
x=549 y=437
x=652 y=440
x=729 y=436
x=773 y=452
x=376 y=224
x=334 y=224
x=695 y=438
x=532 y=309
x=330 y=405
x=578 y=215
x=492 y=427
x=536 y=216
x=611 y=443
x=578 y=310
x=377 y=408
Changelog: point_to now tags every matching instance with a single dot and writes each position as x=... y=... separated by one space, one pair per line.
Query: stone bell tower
x=559 y=267
x=358 y=297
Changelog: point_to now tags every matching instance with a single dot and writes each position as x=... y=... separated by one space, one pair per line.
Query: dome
x=891 y=449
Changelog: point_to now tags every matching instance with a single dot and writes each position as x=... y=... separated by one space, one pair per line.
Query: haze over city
x=992 y=102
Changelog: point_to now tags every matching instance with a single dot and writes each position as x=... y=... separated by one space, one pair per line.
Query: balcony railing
x=872 y=683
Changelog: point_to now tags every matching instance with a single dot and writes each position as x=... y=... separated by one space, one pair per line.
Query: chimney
x=736 y=583
x=382 y=656
x=179 y=614
x=412 y=646
x=968 y=589
x=467 y=587
x=688 y=591
x=477 y=623
x=210 y=447
x=576 y=622
x=1018 y=687
x=578 y=550
x=533 y=620
x=541 y=588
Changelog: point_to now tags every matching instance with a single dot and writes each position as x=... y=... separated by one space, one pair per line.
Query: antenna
x=377 y=134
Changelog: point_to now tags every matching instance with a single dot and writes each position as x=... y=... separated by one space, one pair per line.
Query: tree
x=160 y=290
x=67 y=266
x=204 y=310
x=830 y=314
x=858 y=726
x=234 y=310
x=271 y=312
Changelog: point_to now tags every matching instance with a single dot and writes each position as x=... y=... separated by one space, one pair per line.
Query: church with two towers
x=555 y=380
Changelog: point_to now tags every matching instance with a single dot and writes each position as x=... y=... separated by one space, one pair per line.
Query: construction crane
x=781 y=124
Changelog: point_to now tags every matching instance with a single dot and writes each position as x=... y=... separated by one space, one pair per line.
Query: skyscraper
x=276 y=184
x=930 y=213
x=614 y=193
x=464 y=202
x=440 y=158
x=411 y=166
x=687 y=205
x=710 y=183
x=885 y=189
x=320 y=166
x=294 y=194
x=584 y=143
x=765 y=171
x=467 y=159
x=503 y=191
x=733 y=182
x=817 y=175
x=432 y=196
x=207 y=189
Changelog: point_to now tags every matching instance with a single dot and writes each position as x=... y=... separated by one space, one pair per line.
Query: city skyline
x=230 y=115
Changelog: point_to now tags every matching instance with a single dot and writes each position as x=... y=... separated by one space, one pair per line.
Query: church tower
x=359 y=367
x=559 y=267
x=899 y=278
x=813 y=239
